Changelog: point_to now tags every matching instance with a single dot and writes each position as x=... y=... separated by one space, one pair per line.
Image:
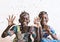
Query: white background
x=33 y=7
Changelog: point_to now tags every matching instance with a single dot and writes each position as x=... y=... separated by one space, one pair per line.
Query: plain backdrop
x=33 y=7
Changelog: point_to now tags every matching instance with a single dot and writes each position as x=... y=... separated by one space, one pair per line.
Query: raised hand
x=37 y=22
x=11 y=19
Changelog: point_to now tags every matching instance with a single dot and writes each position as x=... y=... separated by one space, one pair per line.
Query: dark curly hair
x=22 y=15
x=42 y=13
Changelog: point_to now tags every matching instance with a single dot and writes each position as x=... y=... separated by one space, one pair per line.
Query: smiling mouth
x=44 y=22
x=25 y=23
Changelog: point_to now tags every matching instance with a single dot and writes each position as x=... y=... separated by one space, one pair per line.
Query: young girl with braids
x=45 y=29
x=22 y=31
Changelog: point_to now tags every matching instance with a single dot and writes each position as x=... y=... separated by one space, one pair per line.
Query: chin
x=44 y=23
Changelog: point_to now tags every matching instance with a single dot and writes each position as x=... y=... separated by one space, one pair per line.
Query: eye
x=46 y=17
x=27 y=18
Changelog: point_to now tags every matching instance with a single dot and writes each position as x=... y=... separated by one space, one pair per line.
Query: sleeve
x=14 y=28
x=52 y=30
x=4 y=34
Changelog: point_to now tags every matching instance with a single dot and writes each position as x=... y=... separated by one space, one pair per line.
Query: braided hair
x=42 y=13
x=22 y=15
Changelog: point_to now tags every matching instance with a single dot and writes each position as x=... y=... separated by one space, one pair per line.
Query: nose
x=25 y=20
x=43 y=19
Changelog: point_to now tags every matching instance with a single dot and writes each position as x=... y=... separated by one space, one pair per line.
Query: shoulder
x=52 y=30
x=14 y=26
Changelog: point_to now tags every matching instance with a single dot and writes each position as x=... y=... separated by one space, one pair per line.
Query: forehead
x=44 y=15
x=26 y=16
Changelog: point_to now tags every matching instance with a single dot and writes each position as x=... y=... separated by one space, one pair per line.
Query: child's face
x=25 y=19
x=44 y=19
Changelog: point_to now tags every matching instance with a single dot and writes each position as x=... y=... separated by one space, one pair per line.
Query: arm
x=4 y=34
x=10 y=23
x=54 y=36
x=39 y=34
x=38 y=30
x=51 y=31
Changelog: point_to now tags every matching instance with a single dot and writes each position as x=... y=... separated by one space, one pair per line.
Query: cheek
x=43 y=22
x=22 y=20
x=47 y=20
x=28 y=21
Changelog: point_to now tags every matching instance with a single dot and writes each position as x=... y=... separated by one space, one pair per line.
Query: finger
x=9 y=16
x=38 y=19
x=14 y=17
x=34 y=20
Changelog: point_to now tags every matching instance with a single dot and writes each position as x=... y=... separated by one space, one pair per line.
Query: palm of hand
x=10 y=20
x=37 y=22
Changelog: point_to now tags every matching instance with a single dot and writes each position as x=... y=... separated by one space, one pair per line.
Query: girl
x=22 y=31
x=45 y=29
